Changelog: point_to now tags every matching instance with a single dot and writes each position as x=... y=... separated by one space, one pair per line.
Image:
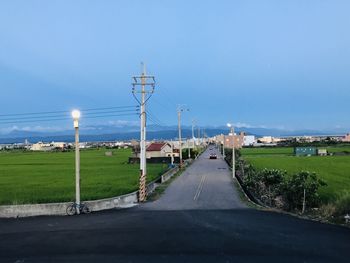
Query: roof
x=155 y=146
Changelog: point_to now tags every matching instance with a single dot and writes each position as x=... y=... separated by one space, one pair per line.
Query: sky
x=276 y=64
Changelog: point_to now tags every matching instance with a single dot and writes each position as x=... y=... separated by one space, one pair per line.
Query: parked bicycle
x=73 y=208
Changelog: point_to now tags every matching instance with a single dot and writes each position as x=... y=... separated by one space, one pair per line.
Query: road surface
x=185 y=225
x=206 y=184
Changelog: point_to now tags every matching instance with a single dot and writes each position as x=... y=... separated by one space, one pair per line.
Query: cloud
x=35 y=128
x=122 y=123
x=243 y=125
x=247 y=125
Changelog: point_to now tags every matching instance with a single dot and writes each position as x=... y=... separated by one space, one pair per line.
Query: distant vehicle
x=213 y=156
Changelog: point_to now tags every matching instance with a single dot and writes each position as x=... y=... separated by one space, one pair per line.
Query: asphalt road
x=192 y=227
x=206 y=184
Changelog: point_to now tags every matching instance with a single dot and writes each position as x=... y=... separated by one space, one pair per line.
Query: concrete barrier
x=166 y=176
x=122 y=201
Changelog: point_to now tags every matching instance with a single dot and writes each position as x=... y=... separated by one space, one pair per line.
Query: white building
x=40 y=146
x=248 y=140
x=60 y=145
x=269 y=139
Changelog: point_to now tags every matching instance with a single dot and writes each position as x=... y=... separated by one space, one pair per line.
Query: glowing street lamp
x=76 y=115
x=233 y=149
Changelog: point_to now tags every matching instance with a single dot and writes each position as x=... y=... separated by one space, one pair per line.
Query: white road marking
x=200 y=187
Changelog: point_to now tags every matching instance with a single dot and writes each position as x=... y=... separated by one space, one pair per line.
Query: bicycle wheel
x=86 y=209
x=71 y=210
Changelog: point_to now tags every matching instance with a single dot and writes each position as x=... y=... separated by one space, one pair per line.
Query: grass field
x=335 y=170
x=40 y=177
x=287 y=150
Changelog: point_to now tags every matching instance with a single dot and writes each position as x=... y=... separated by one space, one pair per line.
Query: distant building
x=157 y=152
x=40 y=146
x=346 y=138
x=269 y=139
x=237 y=140
x=322 y=152
x=158 y=149
x=305 y=151
x=58 y=145
x=248 y=140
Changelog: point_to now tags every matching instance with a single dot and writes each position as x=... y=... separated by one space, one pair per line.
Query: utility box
x=305 y=151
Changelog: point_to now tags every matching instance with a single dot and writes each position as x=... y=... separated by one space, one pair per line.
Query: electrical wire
x=155 y=119
x=42 y=119
x=55 y=112
x=57 y=116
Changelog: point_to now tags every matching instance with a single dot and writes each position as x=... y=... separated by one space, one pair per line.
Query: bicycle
x=72 y=209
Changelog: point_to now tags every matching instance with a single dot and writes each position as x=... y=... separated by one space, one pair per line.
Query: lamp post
x=172 y=153
x=223 y=148
x=180 y=109
x=233 y=150
x=193 y=139
x=188 y=148
x=76 y=116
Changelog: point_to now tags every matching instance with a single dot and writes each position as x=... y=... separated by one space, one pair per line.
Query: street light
x=233 y=149
x=76 y=115
x=180 y=109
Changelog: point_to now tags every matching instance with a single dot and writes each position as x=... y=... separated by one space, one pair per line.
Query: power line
x=57 y=116
x=66 y=118
x=155 y=118
x=55 y=112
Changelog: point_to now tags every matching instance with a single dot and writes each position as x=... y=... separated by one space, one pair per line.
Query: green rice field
x=40 y=177
x=334 y=170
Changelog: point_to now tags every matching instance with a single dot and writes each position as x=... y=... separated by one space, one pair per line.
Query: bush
x=336 y=210
x=266 y=184
x=228 y=157
x=193 y=152
x=275 y=188
x=294 y=187
x=342 y=204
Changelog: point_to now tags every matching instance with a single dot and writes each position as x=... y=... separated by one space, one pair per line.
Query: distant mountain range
x=128 y=132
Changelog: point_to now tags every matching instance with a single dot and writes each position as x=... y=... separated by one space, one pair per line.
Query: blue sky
x=275 y=63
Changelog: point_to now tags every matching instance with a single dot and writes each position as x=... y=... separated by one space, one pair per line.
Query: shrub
x=294 y=187
x=193 y=152
x=266 y=184
x=336 y=210
x=342 y=204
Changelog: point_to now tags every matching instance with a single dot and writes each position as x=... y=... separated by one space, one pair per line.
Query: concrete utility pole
x=233 y=150
x=193 y=138
x=172 y=153
x=144 y=81
x=223 y=147
x=188 y=148
x=198 y=134
x=76 y=116
x=193 y=129
x=180 y=109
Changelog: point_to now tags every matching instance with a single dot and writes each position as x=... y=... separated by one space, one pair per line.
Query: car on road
x=213 y=156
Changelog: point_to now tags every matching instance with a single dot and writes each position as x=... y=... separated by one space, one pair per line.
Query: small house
x=305 y=151
x=322 y=152
x=158 y=149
